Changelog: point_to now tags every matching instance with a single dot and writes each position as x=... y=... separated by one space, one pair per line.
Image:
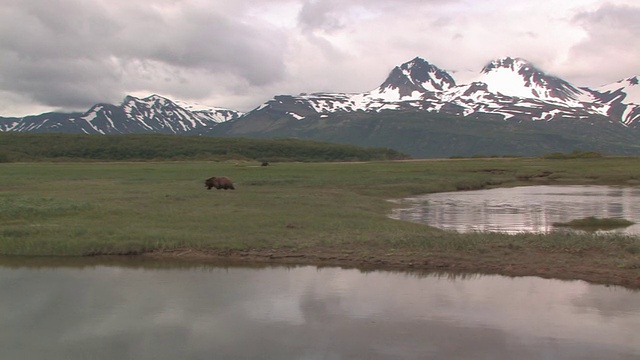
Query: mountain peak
x=417 y=76
x=519 y=78
x=157 y=99
x=426 y=75
x=416 y=61
x=153 y=98
x=515 y=64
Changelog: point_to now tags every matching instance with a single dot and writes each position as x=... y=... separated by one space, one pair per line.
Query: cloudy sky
x=67 y=55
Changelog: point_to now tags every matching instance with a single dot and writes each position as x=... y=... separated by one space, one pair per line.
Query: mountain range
x=511 y=108
x=153 y=114
x=508 y=88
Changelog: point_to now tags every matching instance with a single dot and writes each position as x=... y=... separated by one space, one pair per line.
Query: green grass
x=73 y=209
x=594 y=223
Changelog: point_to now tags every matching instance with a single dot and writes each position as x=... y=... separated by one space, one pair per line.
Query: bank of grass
x=301 y=209
x=593 y=223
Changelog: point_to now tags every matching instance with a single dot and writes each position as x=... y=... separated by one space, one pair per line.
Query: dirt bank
x=590 y=267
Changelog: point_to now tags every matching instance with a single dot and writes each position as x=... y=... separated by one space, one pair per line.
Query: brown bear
x=219 y=182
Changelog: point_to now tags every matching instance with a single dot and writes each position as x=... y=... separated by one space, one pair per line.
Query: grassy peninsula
x=593 y=223
x=324 y=213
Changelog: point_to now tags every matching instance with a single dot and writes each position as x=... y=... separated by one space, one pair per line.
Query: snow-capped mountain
x=153 y=114
x=410 y=85
x=417 y=75
x=628 y=90
x=506 y=87
x=518 y=78
x=623 y=99
x=512 y=108
x=208 y=113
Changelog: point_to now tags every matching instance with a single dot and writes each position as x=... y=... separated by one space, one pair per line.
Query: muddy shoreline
x=507 y=262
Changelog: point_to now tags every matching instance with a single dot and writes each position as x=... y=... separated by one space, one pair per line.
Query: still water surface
x=205 y=312
x=522 y=209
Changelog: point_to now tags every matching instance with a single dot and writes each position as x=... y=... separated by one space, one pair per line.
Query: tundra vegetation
x=593 y=223
x=323 y=213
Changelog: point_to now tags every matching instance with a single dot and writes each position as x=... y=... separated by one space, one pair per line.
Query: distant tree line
x=16 y=147
x=575 y=154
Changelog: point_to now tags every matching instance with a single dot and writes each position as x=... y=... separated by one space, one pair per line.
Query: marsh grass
x=593 y=223
x=73 y=209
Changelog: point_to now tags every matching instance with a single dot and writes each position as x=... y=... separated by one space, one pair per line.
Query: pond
x=164 y=311
x=522 y=209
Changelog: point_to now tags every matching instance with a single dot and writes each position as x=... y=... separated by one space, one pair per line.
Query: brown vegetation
x=505 y=261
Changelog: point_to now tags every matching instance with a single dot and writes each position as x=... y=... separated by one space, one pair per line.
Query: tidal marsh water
x=522 y=209
x=151 y=311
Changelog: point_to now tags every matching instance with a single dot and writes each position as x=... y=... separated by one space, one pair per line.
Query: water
x=522 y=209
x=132 y=311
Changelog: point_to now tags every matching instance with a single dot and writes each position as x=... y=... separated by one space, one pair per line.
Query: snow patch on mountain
x=517 y=77
x=91 y=116
x=628 y=88
x=214 y=113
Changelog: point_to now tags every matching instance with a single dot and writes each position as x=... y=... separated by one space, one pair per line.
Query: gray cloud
x=322 y=15
x=332 y=15
x=71 y=54
x=612 y=42
x=196 y=38
x=74 y=53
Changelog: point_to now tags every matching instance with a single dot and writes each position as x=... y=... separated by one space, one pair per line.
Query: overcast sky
x=67 y=55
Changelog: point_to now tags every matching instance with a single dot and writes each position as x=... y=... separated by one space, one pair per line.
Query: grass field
x=302 y=212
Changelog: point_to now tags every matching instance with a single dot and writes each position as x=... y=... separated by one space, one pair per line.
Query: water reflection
x=522 y=209
x=115 y=312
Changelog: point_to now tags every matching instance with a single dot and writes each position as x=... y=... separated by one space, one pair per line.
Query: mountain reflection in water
x=522 y=209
